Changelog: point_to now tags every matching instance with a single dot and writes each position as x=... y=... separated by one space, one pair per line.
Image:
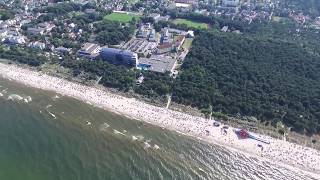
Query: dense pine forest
x=273 y=80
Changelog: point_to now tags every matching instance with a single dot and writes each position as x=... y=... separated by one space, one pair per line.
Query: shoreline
x=288 y=154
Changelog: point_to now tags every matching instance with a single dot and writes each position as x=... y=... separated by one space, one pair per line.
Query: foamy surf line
x=277 y=151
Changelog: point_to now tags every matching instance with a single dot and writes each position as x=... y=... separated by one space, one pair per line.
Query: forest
x=112 y=32
x=25 y=56
x=311 y=7
x=273 y=80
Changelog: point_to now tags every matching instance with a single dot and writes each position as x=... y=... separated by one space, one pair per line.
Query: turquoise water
x=59 y=138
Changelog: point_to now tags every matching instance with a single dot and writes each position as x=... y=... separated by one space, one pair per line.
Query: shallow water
x=44 y=135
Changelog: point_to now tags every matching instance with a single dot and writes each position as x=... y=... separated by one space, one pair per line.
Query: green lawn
x=121 y=17
x=187 y=43
x=191 y=23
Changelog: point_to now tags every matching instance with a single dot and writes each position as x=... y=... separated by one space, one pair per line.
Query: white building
x=37 y=45
x=230 y=2
x=46 y=26
x=3 y=33
x=15 y=40
x=35 y=31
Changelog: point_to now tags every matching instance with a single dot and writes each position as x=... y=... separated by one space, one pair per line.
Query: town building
x=164 y=48
x=140 y=46
x=37 y=45
x=16 y=40
x=142 y=32
x=3 y=34
x=62 y=50
x=190 y=34
x=230 y=2
x=119 y=57
x=89 y=50
x=165 y=37
x=90 y=11
x=224 y=28
x=155 y=16
x=152 y=36
x=157 y=63
x=46 y=26
x=35 y=31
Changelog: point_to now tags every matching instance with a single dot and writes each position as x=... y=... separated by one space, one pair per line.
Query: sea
x=47 y=136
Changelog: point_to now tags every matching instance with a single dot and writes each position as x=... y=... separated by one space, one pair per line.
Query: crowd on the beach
x=277 y=150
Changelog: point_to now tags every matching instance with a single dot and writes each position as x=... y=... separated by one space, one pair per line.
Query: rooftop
x=158 y=63
x=90 y=48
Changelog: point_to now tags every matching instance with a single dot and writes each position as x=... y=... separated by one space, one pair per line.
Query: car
x=216 y=124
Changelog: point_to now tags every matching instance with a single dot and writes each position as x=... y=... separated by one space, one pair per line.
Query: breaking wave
x=104 y=127
x=15 y=97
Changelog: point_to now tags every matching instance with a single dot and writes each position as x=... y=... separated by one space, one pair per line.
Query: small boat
x=243 y=134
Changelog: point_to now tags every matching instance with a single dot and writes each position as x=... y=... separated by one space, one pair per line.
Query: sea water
x=47 y=136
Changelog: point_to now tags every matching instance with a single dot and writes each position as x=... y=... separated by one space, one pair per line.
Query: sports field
x=190 y=23
x=121 y=17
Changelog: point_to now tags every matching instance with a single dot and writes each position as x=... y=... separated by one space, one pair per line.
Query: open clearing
x=121 y=17
x=190 y=23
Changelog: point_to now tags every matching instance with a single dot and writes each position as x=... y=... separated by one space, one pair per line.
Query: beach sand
x=278 y=151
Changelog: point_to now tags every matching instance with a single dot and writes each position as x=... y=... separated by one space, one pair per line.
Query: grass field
x=121 y=17
x=191 y=23
x=187 y=43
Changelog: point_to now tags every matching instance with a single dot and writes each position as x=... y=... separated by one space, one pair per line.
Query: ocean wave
x=118 y=132
x=89 y=103
x=56 y=97
x=146 y=144
x=15 y=97
x=5 y=90
x=104 y=127
x=54 y=116
x=156 y=147
x=27 y=99
x=48 y=106
x=134 y=138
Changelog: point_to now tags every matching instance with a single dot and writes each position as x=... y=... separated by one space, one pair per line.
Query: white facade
x=16 y=40
x=230 y=2
x=37 y=45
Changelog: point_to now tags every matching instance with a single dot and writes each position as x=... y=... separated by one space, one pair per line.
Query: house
x=62 y=50
x=155 y=16
x=37 y=45
x=190 y=34
x=164 y=18
x=90 y=11
x=224 y=28
x=46 y=26
x=4 y=25
x=35 y=31
x=3 y=33
x=231 y=3
x=15 y=40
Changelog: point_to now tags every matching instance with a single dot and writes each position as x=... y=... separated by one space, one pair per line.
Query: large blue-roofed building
x=119 y=57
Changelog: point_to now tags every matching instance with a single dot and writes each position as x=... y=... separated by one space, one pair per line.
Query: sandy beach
x=290 y=154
